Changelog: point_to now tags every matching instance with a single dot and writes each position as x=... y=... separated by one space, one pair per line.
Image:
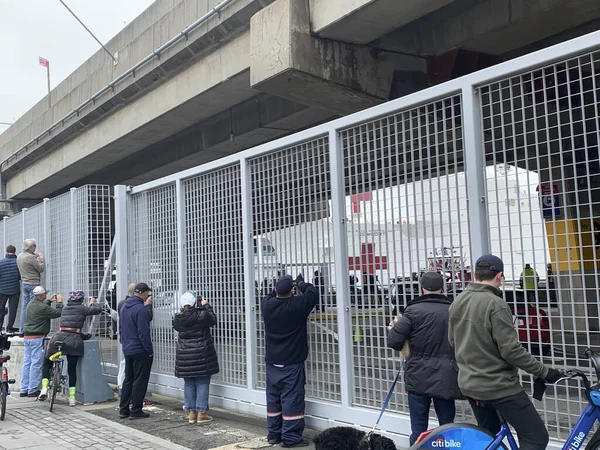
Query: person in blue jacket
x=134 y=331
x=286 y=344
x=10 y=288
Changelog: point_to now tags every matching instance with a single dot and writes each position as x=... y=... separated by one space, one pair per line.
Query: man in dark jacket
x=134 y=331
x=286 y=349
x=430 y=372
x=10 y=287
x=489 y=355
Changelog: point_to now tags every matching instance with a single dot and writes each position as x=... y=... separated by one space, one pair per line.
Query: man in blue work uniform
x=286 y=342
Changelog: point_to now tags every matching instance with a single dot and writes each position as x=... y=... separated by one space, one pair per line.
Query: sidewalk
x=228 y=431
x=30 y=425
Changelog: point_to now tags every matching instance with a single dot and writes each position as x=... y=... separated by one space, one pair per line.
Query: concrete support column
x=287 y=61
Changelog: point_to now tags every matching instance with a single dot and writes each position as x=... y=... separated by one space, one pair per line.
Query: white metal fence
x=503 y=160
x=74 y=233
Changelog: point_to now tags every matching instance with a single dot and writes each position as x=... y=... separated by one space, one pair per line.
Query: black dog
x=348 y=438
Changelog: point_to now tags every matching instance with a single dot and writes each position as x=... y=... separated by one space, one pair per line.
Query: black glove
x=539 y=387
x=299 y=279
x=86 y=336
x=554 y=375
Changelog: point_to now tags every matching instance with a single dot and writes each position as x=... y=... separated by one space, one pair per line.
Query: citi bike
x=472 y=437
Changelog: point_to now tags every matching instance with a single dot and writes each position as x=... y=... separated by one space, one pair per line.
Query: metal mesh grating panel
x=153 y=237
x=293 y=234
x=405 y=176
x=214 y=262
x=543 y=177
x=14 y=231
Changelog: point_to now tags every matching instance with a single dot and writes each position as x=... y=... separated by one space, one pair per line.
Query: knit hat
x=432 y=281
x=284 y=285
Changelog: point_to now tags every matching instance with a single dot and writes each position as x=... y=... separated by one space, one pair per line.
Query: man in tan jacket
x=31 y=265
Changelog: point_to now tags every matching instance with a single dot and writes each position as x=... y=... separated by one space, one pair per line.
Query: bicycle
x=472 y=437
x=56 y=378
x=4 y=380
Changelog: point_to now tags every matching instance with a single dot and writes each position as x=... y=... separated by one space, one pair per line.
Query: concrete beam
x=210 y=85
x=287 y=61
x=489 y=26
x=362 y=21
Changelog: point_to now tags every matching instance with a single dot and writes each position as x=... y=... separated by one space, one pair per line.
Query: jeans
x=135 y=385
x=32 y=365
x=27 y=296
x=13 y=305
x=519 y=412
x=418 y=405
x=195 y=393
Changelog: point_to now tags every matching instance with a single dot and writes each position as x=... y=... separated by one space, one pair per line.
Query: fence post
x=121 y=248
x=474 y=157
x=4 y=237
x=23 y=211
x=181 y=245
x=73 y=241
x=47 y=254
x=248 y=251
x=342 y=288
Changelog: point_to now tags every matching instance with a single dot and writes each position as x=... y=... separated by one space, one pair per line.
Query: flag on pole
x=44 y=62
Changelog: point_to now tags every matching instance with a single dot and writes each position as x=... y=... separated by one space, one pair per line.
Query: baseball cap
x=39 y=290
x=432 y=281
x=489 y=262
x=140 y=288
x=284 y=285
x=188 y=298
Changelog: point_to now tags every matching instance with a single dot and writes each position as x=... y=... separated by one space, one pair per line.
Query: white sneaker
x=72 y=402
x=43 y=394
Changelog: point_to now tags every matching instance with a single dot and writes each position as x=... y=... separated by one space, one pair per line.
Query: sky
x=33 y=28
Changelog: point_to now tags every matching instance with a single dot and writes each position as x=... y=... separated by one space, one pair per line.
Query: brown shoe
x=203 y=418
x=191 y=415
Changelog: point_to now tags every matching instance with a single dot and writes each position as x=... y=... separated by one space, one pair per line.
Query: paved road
x=30 y=425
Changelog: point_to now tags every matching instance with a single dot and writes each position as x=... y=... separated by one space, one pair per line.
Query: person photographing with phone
x=195 y=358
x=37 y=325
x=71 y=333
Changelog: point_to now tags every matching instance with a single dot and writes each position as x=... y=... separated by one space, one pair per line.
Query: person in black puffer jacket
x=70 y=332
x=196 y=358
x=431 y=371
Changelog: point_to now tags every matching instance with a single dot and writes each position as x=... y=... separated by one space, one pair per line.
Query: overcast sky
x=33 y=28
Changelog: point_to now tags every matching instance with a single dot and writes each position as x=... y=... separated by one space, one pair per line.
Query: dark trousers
x=135 y=385
x=518 y=411
x=285 y=402
x=13 y=305
x=71 y=369
x=419 y=405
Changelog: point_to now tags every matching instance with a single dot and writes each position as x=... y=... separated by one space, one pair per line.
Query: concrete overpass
x=197 y=80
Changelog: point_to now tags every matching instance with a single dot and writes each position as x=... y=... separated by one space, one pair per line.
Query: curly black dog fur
x=348 y=438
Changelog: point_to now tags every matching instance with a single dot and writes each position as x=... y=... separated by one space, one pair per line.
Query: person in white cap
x=195 y=358
x=36 y=326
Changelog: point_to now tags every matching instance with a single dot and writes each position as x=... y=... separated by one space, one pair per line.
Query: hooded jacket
x=73 y=316
x=431 y=368
x=134 y=328
x=195 y=355
x=488 y=351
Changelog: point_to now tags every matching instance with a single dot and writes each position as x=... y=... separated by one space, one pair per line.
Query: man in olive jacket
x=36 y=326
x=489 y=357
x=430 y=372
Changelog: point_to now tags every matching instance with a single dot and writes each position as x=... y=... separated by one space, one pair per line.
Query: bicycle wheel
x=3 y=394
x=57 y=372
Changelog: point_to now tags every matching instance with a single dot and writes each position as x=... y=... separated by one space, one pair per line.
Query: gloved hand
x=299 y=278
x=539 y=387
x=554 y=375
